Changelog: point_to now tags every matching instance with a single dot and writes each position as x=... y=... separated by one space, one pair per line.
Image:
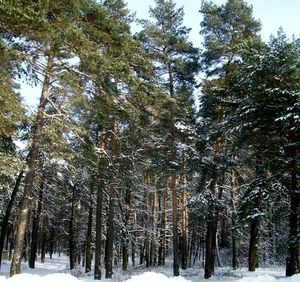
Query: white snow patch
x=294 y=278
x=260 y=278
x=155 y=277
x=26 y=277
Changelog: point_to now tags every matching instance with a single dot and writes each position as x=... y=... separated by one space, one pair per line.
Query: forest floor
x=56 y=270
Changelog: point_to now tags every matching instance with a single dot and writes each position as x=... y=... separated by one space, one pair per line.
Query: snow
x=155 y=277
x=56 y=270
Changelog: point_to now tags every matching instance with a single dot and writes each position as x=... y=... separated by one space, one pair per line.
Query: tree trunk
x=110 y=232
x=125 y=241
x=153 y=200
x=4 y=223
x=98 y=243
x=125 y=255
x=211 y=235
x=235 y=262
x=35 y=227
x=163 y=230
x=33 y=156
x=210 y=248
x=44 y=238
x=110 y=219
x=71 y=230
x=51 y=241
x=184 y=223
x=292 y=265
x=88 y=257
x=133 y=253
x=211 y=230
x=253 y=246
x=175 y=226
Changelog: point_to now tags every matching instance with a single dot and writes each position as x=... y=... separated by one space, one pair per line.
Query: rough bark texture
x=4 y=223
x=210 y=247
x=184 y=223
x=235 y=262
x=33 y=156
x=211 y=230
x=35 y=227
x=111 y=204
x=44 y=238
x=163 y=230
x=175 y=226
x=253 y=246
x=71 y=230
x=88 y=258
x=98 y=243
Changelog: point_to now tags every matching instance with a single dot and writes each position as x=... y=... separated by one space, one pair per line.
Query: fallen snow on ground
x=155 y=277
x=57 y=270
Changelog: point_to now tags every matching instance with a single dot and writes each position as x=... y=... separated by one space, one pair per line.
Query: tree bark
x=71 y=230
x=292 y=265
x=88 y=257
x=253 y=246
x=211 y=230
x=98 y=243
x=125 y=241
x=163 y=230
x=110 y=219
x=35 y=227
x=175 y=226
x=4 y=223
x=44 y=238
x=184 y=223
x=33 y=156
x=235 y=262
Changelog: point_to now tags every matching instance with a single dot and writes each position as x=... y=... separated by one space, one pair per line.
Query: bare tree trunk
x=44 y=238
x=71 y=230
x=175 y=226
x=35 y=227
x=153 y=199
x=211 y=231
x=292 y=266
x=125 y=241
x=163 y=229
x=235 y=262
x=184 y=223
x=4 y=223
x=88 y=254
x=210 y=248
x=33 y=156
x=110 y=219
x=253 y=246
x=98 y=243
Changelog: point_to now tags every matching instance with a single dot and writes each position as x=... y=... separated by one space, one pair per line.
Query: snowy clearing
x=57 y=270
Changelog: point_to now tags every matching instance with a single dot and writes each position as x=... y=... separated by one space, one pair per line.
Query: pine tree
x=176 y=61
x=225 y=28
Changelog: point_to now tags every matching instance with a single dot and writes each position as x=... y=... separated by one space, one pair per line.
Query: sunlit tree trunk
x=32 y=160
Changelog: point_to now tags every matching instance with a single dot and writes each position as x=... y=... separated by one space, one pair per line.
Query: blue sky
x=272 y=14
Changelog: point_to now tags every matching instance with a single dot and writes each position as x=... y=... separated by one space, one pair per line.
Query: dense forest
x=145 y=149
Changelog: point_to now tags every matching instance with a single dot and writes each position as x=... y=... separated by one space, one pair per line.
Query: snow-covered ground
x=56 y=270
